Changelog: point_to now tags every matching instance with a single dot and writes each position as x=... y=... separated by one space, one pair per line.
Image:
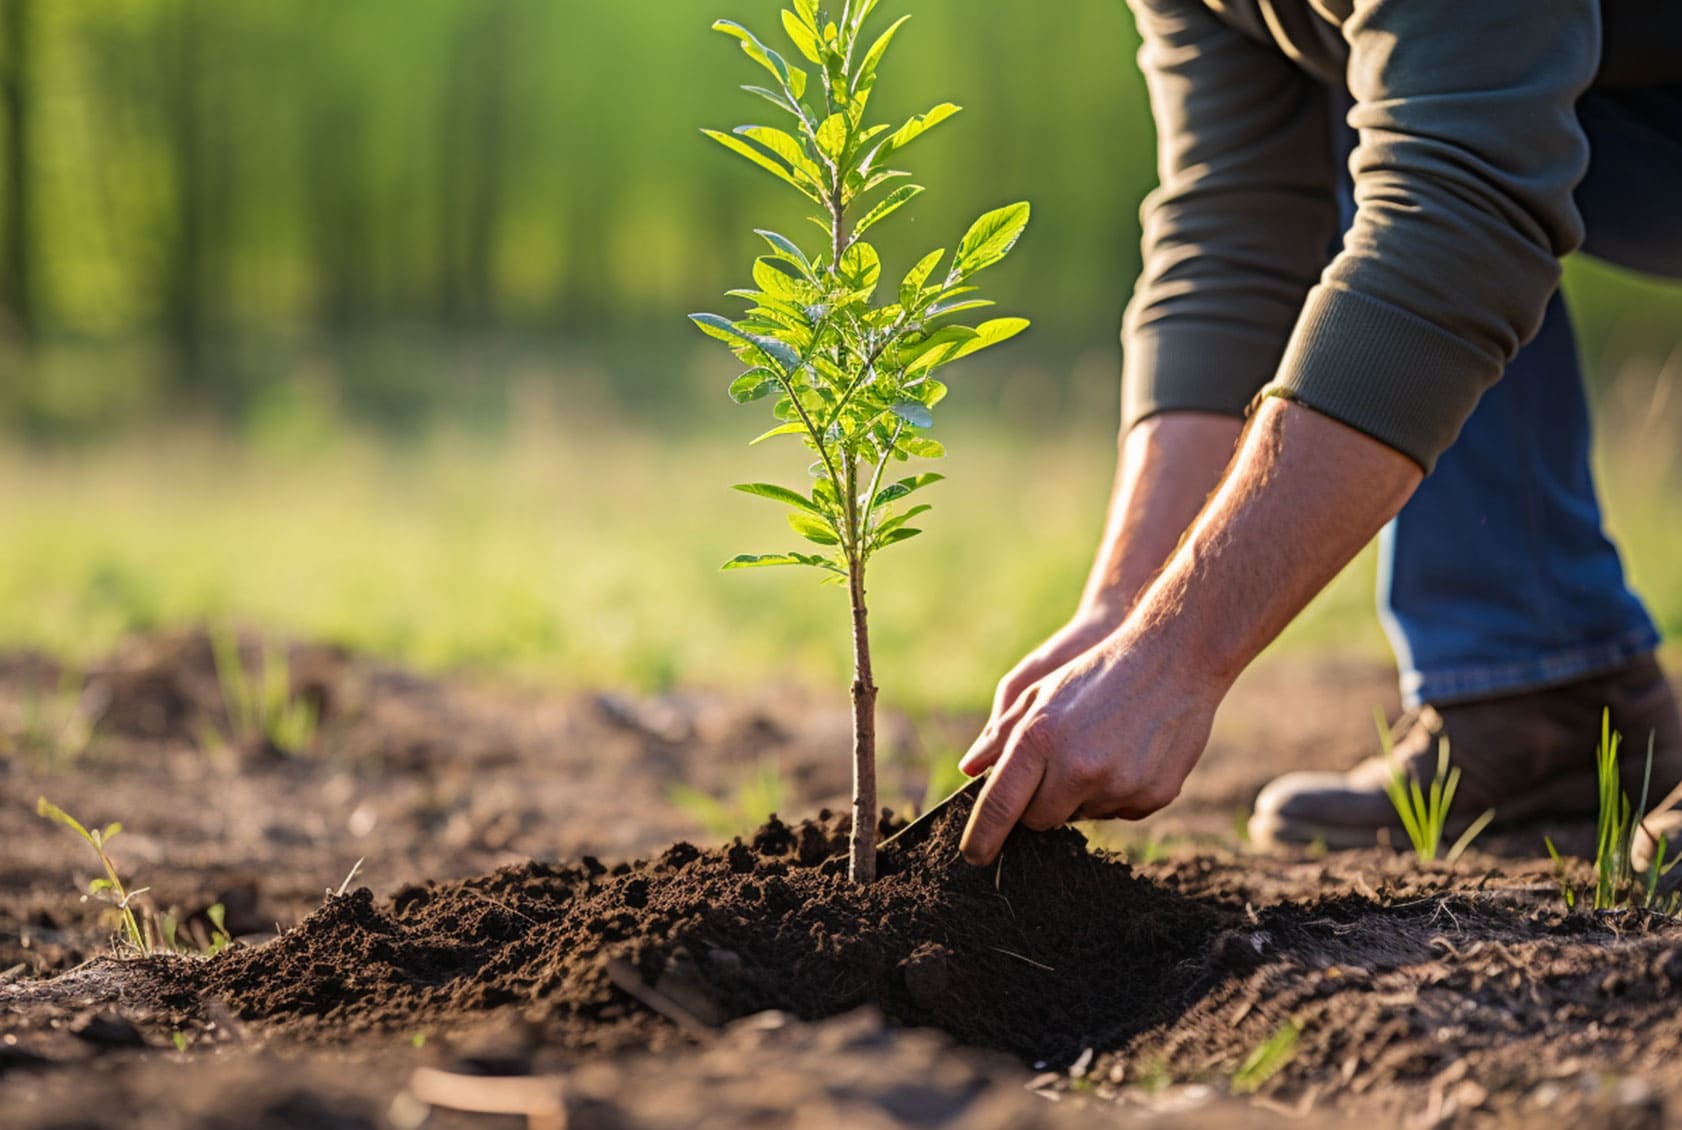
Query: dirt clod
x=1054 y=948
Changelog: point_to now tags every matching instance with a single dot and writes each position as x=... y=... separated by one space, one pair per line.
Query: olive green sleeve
x=1469 y=152
x=1242 y=222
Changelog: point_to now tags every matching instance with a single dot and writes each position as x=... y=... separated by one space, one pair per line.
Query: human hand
x=1111 y=734
x=1088 y=628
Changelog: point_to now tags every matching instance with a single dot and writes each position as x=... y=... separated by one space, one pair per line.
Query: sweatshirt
x=1469 y=149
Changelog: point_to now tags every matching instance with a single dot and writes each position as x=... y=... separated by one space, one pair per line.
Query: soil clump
x=1056 y=949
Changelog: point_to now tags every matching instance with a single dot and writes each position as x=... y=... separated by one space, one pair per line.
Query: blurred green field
x=583 y=551
x=364 y=322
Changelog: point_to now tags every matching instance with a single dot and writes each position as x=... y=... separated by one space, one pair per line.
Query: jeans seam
x=1534 y=673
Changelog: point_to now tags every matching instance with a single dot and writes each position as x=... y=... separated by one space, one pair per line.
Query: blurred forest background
x=408 y=202
x=365 y=318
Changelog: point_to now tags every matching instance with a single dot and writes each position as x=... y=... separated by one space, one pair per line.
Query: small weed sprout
x=1615 y=881
x=1562 y=876
x=170 y=926
x=144 y=934
x=756 y=795
x=1424 y=809
x=260 y=705
x=852 y=380
x=1267 y=1059
x=1615 y=827
x=108 y=887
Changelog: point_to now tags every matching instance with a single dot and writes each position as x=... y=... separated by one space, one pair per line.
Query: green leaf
x=764 y=161
x=832 y=136
x=861 y=12
x=771 y=274
x=921 y=446
x=894 y=491
x=796 y=428
x=779 y=494
x=717 y=326
x=802 y=35
x=814 y=530
x=932 y=348
x=788 y=249
x=990 y=239
x=865 y=79
x=861 y=267
x=778 y=99
x=110 y=831
x=942 y=309
x=861 y=138
x=858 y=185
x=761 y=561
x=725 y=330
x=913 y=413
x=785 y=148
x=755 y=384
x=991 y=333
x=917 y=276
x=792 y=78
x=899 y=520
x=894 y=537
x=51 y=811
x=890 y=204
x=917 y=126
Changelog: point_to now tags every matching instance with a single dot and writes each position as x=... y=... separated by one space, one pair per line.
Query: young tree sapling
x=853 y=379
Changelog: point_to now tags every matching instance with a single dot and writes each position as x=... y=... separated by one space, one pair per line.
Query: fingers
x=1007 y=793
x=989 y=746
x=1016 y=683
x=1061 y=794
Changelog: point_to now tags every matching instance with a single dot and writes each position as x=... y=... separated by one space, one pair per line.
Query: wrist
x=1107 y=605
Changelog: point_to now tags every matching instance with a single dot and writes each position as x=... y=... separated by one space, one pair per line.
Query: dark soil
x=1461 y=995
x=1055 y=950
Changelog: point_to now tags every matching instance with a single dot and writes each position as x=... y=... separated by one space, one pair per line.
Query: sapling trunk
x=851 y=377
x=862 y=864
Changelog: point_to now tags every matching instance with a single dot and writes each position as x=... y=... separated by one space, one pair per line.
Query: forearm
x=1304 y=495
x=1168 y=466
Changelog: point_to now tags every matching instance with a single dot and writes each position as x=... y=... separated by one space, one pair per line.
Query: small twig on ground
x=541 y=1098
x=625 y=977
x=1019 y=957
x=345 y=886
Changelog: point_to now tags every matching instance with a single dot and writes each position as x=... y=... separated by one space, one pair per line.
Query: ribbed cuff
x=1180 y=366
x=1383 y=371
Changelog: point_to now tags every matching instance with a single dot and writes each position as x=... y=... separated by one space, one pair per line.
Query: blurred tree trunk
x=474 y=108
x=341 y=226
x=16 y=228
x=195 y=278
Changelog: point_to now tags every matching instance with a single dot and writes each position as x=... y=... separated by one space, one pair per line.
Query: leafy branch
x=853 y=379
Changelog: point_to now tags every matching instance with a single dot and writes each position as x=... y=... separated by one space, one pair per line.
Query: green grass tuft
x=1424 y=810
x=1267 y=1059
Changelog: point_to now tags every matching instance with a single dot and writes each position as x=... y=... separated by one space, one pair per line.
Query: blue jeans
x=1497 y=577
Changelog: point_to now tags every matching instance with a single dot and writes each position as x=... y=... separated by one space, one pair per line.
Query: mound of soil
x=1054 y=950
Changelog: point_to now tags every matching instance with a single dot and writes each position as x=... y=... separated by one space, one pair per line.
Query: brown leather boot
x=1528 y=756
x=1662 y=827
